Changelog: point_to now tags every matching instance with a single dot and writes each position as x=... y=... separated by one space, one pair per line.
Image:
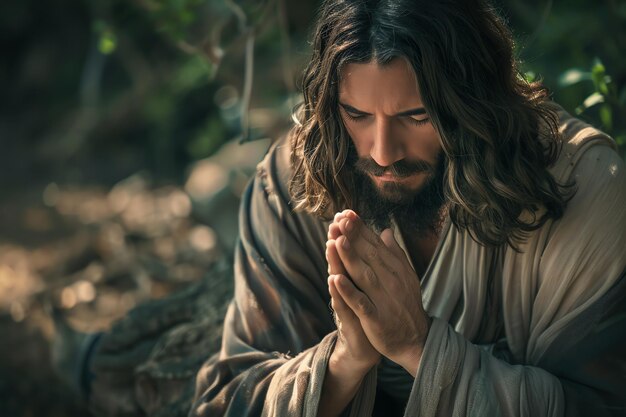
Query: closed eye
x=355 y=117
x=359 y=117
x=418 y=122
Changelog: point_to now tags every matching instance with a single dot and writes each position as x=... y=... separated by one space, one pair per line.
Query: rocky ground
x=92 y=253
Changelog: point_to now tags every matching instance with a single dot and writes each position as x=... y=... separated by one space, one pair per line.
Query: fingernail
x=345 y=243
x=349 y=225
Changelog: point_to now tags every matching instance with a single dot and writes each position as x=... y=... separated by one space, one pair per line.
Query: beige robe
x=540 y=332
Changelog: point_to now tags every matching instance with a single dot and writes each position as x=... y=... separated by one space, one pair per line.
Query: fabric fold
x=554 y=311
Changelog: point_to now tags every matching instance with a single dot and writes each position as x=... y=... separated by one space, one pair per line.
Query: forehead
x=393 y=84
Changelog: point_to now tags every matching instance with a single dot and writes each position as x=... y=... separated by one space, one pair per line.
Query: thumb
x=392 y=244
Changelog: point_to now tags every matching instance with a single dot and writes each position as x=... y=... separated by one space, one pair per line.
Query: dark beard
x=420 y=212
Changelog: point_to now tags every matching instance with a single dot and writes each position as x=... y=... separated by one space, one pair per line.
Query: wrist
x=412 y=358
x=341 y=383
x=341 y=361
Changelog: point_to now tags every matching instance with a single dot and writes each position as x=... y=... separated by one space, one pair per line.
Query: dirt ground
x=91 y=254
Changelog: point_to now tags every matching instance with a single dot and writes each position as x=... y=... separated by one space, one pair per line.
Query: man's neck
x=421 y=249
x=421 y=245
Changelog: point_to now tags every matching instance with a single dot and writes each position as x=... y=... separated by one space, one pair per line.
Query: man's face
x=398 y=149
x=382 y=110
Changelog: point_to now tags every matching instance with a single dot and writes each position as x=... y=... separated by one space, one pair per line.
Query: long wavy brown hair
x=498 y=132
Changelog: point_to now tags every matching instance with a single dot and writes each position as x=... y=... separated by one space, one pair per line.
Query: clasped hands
x=376 y=296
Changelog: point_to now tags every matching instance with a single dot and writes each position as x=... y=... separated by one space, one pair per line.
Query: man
x=468 y=234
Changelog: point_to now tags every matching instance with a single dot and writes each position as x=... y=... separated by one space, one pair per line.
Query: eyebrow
x=412 y=112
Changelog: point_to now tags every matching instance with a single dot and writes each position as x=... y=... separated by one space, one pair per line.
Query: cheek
x=359 y=137
x=425 y=144
x=433 y=142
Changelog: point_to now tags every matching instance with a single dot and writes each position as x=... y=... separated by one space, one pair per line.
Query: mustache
x=401 y=168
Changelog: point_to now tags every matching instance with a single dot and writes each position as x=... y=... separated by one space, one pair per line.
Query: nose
x=385 y=148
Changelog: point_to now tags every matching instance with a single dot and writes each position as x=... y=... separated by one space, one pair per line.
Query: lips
x=388 y=177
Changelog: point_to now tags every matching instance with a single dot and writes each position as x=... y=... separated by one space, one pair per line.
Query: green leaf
x=598 y=75
x=606 y=115
x=604 y=85
x=598 y=67
x=593 y=99
x=107 y=43
x=573 y=76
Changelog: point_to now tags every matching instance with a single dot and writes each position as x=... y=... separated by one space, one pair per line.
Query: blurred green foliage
x=577 y=48
x=95 y=91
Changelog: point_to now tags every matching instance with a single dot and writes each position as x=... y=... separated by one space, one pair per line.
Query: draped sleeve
x=278 y=331
x=564 y=306
x=563 y=309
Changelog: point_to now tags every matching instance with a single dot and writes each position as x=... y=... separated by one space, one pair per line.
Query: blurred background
x=129 y=128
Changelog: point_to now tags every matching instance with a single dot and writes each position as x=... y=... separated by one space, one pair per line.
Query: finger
x=334 y=231
x=338 y=216
x=364 y=265
x=353 y=227
x=371 y=247
x=360 y=272
x=341 y=309
x=356 y=300
x=392 y=244
x=335 y=266
x=349 y=214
